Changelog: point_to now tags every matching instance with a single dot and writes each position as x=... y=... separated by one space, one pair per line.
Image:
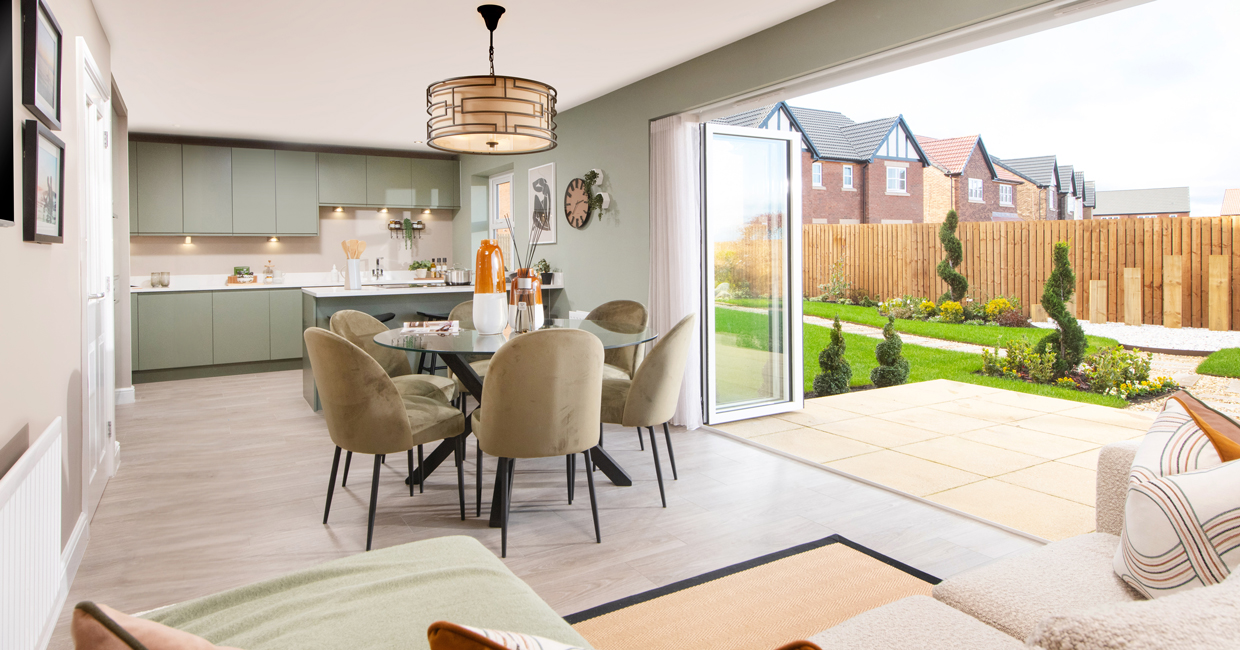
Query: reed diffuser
x=527 y=286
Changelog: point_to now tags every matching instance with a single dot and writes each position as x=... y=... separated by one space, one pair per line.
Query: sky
x=1138 y=98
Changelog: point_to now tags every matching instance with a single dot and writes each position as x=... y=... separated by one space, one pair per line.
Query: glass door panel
x=752 y=228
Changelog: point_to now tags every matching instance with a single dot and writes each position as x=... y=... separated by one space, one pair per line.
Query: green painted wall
x=609 y=259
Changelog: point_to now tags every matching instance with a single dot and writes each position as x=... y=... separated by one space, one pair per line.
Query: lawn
x=979 y=335
x=925 y=363
x=1224 y=363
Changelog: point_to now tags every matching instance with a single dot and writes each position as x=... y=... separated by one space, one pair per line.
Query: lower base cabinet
x=203 y=328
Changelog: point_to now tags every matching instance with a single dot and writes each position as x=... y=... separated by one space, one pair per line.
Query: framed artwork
x=43 y=184
x=41 y=62
x=8 y=214
x=542 y=202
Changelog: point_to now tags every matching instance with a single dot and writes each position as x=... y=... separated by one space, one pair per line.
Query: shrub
x=997 y=307
x=1145 y=388
x=928 y=309
x=951 y=312
x=1109 y=368
x=1022 y=362
x=836 y=373
x=836 y=287
x=1013 y=319
x=867 y=301
x=893 y=367
x=859 y=296
x=1066 y=382
x=955 y=254
x=905 y=307
x=973 y=310
x=1069 y=339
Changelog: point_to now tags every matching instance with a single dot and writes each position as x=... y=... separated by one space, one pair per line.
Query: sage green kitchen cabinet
x=174 y=330
x=297 y=194
x=133 y=331
x=342 y=179
x=436 y=183
x=286 y=330
x=241 y=325
x=160 y=207
x=389 y=182
x=207 y=193
x=133 y=187
x=253 y=191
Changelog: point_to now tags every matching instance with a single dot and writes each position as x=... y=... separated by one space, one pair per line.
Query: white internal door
x=752 y=362
x=99 y=448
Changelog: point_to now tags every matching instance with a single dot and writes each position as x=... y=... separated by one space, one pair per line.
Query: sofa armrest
x=1114 y=465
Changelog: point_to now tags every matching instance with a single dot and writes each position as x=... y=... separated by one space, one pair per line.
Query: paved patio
x=1025 y=461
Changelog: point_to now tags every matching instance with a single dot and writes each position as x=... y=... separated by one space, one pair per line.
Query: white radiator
x=30 y=558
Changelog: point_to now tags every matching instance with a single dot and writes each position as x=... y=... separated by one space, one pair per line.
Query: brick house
x=1037 y=199
x=1143 y=204
x=1091 y=198
x=1231 y=204
x=852 y=172
x=962 y=177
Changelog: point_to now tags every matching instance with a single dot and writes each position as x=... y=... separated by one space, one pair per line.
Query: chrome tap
x=377 y=272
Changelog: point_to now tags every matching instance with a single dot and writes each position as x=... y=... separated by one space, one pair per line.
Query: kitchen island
x=404 y=300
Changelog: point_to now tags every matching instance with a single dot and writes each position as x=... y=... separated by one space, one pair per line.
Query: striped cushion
x=1182 y=515
x=450 y=636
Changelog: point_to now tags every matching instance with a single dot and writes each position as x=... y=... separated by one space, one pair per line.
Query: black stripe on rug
x=659 y=592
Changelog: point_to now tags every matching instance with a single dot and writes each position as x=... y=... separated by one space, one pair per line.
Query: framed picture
x=8 y=214
x=542 y=202
x=43 y=184
x=41 y=62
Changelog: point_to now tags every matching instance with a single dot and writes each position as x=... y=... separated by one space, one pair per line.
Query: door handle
x=96 y=296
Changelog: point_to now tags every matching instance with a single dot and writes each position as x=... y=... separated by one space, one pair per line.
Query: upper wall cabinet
x=436 y=183
x=254 y=191
x=206 y=195
x=297 y=193
x=389 y=182
x=160 y=207
x=342 y=179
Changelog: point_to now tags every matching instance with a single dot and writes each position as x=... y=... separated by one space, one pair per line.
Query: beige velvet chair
x=619 y=363
x=360 y=329
x=542 y=397
x=366 y=414
x=650 y=397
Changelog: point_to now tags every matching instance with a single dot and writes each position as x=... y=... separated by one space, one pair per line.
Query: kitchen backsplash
x=216 y=255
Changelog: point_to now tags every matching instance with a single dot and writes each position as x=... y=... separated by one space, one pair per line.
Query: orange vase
x=490 y=290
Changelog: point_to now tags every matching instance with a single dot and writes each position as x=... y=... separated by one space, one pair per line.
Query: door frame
x=92 y=87
x=794 y=329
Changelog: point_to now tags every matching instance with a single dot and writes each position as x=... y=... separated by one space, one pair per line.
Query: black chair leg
x=331 y=485
x=421 y=475
x=458 y=448
x=658 y=469
x=502 y=473
x=671 y=455
x=640 y=441
x=478 y=494
x=598 y=535
x=570 y=463
x=410 y=454
x=348 y=458
x=383 y=459
x=374 y=498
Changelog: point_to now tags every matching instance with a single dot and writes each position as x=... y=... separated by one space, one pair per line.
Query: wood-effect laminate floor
x=222 y=483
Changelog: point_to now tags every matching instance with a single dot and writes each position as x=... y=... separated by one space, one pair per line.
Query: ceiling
x=355 y=73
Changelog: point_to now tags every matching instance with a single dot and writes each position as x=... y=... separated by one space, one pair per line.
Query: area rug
x=760 y=604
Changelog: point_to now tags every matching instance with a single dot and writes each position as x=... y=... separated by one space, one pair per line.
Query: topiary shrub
x=1068 y=341
x=836 y=373
x=893 y=367
x=955 y=253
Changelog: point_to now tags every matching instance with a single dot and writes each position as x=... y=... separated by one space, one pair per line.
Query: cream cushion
x=1015 y=593
x=914 y=623
x=1182 y=510
x=1206 y=618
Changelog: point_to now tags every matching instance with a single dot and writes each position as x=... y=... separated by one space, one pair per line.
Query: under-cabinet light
x=189 y=240
x=273 y=239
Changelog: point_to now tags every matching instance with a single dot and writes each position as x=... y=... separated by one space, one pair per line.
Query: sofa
x=1061 y=596
x=380 y=600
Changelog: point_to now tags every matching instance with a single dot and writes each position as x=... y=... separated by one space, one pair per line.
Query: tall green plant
x=836 y=373
x=893 y=367
x=955 y=254
x=1068 y=340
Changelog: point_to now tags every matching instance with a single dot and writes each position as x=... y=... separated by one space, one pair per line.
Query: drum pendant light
x=490 y=114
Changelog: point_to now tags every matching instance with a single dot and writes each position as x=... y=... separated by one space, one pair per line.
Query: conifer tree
x=893 y=367
x=836 y=373
x=1068 y=341
x=955 y=254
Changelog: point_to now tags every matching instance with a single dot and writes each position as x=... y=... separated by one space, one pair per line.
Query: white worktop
x=319 y=285
x=341 y=292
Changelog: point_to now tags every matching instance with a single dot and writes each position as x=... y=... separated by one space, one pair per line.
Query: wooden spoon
x=345 y=246
x=361 y=248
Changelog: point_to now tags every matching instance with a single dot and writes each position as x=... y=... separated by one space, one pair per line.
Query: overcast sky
x=1144 y=97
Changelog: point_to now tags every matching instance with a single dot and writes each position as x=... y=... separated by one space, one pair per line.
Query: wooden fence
x=1015 y=258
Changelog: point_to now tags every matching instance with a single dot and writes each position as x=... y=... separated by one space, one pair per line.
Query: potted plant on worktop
x=420 y=268
x=546 y=274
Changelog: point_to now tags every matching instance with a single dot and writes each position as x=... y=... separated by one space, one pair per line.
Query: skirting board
x=70 y=560
x=125 y=396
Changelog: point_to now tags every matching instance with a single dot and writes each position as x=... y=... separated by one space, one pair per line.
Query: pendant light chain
x=492 y=57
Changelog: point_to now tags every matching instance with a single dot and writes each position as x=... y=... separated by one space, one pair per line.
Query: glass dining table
x=459 y=348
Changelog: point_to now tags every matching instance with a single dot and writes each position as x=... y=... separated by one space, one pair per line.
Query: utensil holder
x=353 y=280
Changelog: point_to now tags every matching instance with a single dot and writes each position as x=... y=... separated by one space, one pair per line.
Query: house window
x=1005 y=195
x=848 y=182
x=975 y=190
x=897 y=179
x=817 y=171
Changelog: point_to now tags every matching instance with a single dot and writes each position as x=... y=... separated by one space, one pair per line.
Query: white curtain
x=676 y=246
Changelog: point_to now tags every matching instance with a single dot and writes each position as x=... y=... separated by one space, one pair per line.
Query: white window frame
x=816 y=174
x=901 y=179
x=494 y=223
x=1009 y=192
x=976 y=183
x=847 y=174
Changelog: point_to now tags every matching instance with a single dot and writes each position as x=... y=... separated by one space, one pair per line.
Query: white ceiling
x=355 y=73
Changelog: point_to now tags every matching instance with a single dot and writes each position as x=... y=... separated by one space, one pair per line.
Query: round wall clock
x=577 y=203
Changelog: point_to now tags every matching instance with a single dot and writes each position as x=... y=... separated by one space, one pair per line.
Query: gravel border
x=1158 y=337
